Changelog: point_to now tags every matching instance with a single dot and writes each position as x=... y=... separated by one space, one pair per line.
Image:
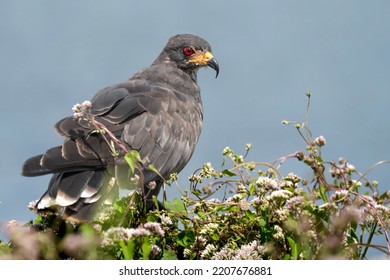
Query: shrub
x=246 y=210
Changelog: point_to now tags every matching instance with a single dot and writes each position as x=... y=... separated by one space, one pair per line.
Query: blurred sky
x=54 y=54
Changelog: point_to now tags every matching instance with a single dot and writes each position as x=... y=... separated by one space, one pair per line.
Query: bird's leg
x=149 y=191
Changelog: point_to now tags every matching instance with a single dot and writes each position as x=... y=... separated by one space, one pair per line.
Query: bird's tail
x=80 y=186
x=77 y=186
x=32 y=167
x=77 y=195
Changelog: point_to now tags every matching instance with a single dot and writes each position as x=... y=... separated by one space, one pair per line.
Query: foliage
x=246 y=210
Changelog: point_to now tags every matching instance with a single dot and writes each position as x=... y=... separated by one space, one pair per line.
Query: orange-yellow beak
x=205 y=58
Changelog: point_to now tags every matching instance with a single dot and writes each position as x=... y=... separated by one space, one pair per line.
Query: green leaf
x=228 y=173
x=323 y=191
x=252 y=189
x=177 y=206
x=215 y=237
x=186 y=238
x=307 y=253
x=146 y=248
x=353 y=235
x=87 y=230
x=219 y=208
x=250 y=215
x=233 y=208
x=128 y=249
x=196 y=192
x=154 y=169
x=5 y=248
x=295 y=248
x=38 y=220
x=132 y=158
x=169 y=255
x=262 y=222
x=201 y=214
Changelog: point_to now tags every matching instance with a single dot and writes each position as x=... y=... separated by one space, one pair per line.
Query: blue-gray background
x=54 y=54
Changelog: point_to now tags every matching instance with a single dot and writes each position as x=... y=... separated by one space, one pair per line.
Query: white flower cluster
x=199 y=244
x=343 y=168
x=207 y=170
x=154 y=228
x=208 y=251
x=267 y=183
x=339 y=195
x=280 y=194
x=320 y=141
x=165 y=220
x=209 y=228
x=227 y=151
x=114 y=234
x=251 y=251
x=82 y=110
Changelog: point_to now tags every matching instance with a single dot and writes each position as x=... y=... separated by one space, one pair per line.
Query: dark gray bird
x=157 y=112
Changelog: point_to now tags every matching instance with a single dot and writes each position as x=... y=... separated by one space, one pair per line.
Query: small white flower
x=155 y=228
x=252 y=251
x=241 y=189
x=356 y=183
x=97 y=227
x=268 y=183
x=355 y=213
x=195 y=178
x=155 y=250
x=209 y=228
x=82 y=110
x=208 y=251
x=339 y=194
x=244 y=205
x=294 y=202
x=134 y=180
x=282 y=214
x=227 y=151
x=213 y=201
x=350 y=167
x=283 y=194
x=382 y=208
x=165 y=220
x=113 y=235
x=78 y=115
x=76 y=108
x=12 y=224
x=187 y=253
x=32 y=205
x=200 y=240
x=256 y=201
x=235 y=198
x=278 y=233
x=320 y=141
x=87 y=104
x=139 y=232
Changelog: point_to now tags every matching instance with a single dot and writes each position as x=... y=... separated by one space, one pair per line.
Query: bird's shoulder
x=168 y=75
x=154 y=84
x=152 y=89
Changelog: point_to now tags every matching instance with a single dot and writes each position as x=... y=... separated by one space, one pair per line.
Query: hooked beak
x=206 y=58
x=213 y=63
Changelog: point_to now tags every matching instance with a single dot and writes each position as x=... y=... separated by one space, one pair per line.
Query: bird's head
x=189 y=53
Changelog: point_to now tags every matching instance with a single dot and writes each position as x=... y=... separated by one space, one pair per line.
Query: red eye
x=188 y=51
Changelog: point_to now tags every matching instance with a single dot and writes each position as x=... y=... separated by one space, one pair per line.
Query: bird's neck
x=164 y=59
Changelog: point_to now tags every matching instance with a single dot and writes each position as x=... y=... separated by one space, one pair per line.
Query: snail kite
x=157 y=112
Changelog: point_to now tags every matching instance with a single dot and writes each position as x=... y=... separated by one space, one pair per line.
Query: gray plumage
x=158 y=112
